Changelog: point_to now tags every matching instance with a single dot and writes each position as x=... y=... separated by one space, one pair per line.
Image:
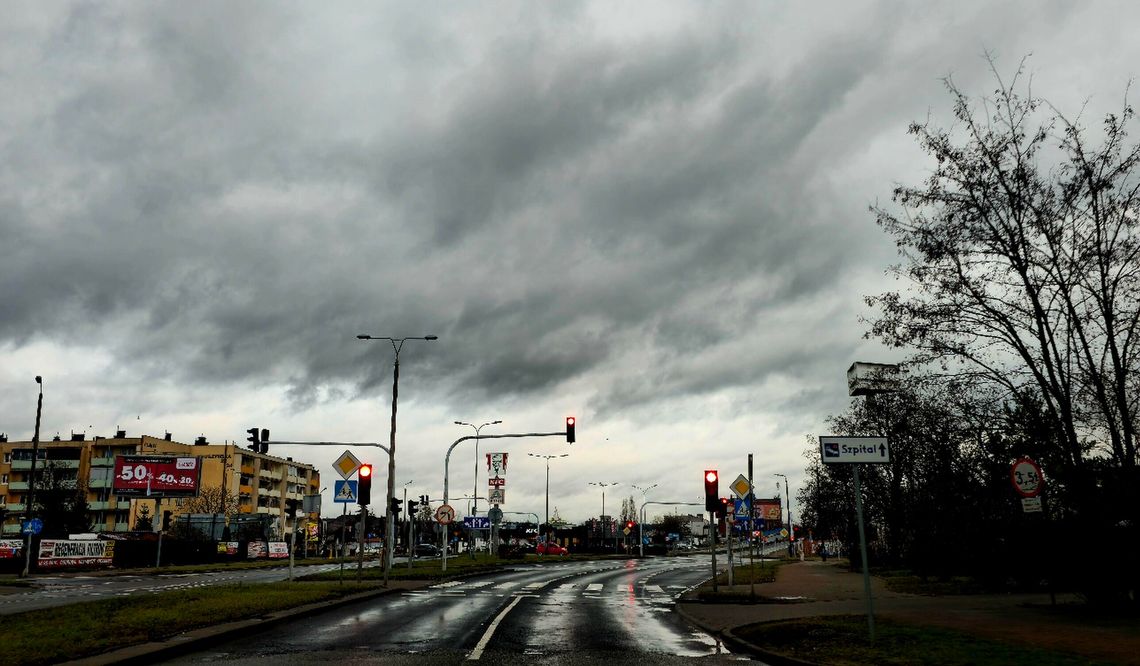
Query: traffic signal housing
x=629 y=524
x=167 y=520
x=254 y=439
x=570 y=423
x=265 y=440
x=395 y=507
x=364 y=485
x=712 y=490
x=412 y=506
x=722 y=507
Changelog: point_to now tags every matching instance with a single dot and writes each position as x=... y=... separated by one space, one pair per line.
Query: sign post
x=856 y=450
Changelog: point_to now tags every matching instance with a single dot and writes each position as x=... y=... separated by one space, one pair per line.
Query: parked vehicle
x=426 y=550
x=550 y=549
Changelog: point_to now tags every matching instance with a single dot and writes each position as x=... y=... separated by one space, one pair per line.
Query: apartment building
x=261 y=483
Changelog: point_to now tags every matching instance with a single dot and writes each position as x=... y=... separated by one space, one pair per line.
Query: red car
x=550 y=549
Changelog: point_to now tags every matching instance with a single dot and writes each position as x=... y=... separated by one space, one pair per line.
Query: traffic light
x=254 y=440
x=364 y=485
x=712 y=490
x=395 y=506
x=722 y=507
x=265 y=440
x=167 y=519
x=570 y=422
x=629 y=524
x=412 y=505
x=424 y=499
x=291 y=506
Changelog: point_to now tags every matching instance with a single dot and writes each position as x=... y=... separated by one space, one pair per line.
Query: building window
x=7 y=457
x=4 y=479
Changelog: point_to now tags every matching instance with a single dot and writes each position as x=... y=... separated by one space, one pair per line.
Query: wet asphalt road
x=51 y=591
x=566 y=613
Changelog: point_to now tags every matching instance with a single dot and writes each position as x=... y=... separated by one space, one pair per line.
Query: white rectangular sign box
x=838 y=450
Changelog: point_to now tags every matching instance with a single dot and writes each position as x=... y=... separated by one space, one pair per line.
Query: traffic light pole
x=447 y=463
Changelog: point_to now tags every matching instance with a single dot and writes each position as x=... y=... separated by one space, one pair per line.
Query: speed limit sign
x=1026 y=477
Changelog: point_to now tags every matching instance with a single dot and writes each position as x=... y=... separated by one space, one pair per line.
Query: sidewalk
x=812 y=588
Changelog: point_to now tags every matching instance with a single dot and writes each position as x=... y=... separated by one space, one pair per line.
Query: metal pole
x=548 y=502
x=863 y=556
x=292 y=544
x=343 y=537
x=30 y=499
x=389 y=527
x=712 y=523
x=751 y=531
x=361 y=529
x=475 y=494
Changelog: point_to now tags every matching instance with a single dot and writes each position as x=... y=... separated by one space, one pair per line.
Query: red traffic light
x=570 y=423
x=712 y=490
x=710 y=476
x=365 y=470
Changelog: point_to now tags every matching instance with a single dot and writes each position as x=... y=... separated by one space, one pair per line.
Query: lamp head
x=431 y=337
x=39 y=380
x=364 y=337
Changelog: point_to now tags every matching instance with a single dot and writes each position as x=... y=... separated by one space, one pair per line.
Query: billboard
x=11 y=548
x=61 y=553
x=156 y=475
x=767 y=509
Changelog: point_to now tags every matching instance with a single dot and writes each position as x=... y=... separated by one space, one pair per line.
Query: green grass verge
x=844 y=640
x=68 y=632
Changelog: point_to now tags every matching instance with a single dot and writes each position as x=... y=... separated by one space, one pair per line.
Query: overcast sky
x=653 y=217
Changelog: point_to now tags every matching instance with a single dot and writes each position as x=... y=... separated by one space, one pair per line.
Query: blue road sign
x=344 y=491
x=32 y=526
x=477 y=522
x=740 y=509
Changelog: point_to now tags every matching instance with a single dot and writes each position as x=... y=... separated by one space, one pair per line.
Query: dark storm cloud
x=230 y=195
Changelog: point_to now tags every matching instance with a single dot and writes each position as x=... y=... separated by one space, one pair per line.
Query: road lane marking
x=482 y=644
x=534 y=586
x=594 y=587
x=482 y=583
x=450 y=583
x=505 y=586
x=656 y=589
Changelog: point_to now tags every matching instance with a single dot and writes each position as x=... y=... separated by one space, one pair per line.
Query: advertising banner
x=312 y=530
x=767 y=509
x=145 y=476
x=227 y=547
x=255 y=550
x=278 y=550
x=11 y=548
x=57 y=554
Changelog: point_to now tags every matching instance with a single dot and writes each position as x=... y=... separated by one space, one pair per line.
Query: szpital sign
x=839 y=450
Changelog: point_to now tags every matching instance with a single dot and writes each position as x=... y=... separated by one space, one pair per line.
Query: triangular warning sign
x=346 y=493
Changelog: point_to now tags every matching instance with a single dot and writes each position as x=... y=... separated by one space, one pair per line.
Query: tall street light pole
x=389 y=527
x=791 y=525
x=549 y=531
x=603 y=486
x=641 y=520
x=475 y=481
x=29 y=500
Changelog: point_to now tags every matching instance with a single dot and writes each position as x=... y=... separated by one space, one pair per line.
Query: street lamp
x=389 y=527
x=641 y=520
x=603 y=486
x=475 y=481
x=30 y=498
x=791 y=525
x=548 y=457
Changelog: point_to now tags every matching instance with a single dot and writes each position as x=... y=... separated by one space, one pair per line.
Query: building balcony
x=247 y=470
x=19 y=465
x=103 y=462
x=121 y=527
x=13 y=528
x=18 y=485
x=99 y=483
x=14 y=508
x=245 y=490
x=100 y=506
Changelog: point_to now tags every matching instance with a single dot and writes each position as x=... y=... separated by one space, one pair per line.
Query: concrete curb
x=197 y=639
x=739 y=644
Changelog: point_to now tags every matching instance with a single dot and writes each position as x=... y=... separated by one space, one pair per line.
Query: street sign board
x=33 y=526
x=740 y=487
x=496 y=482
x=497 y=464
x=476 y=522
x=1026 y=477
x=495 y=515
x=444 y=514
x=740 y=509
x=346 y=465
x=840 y=450
x=497 y=496
x=1031 y=504
x=344 y=492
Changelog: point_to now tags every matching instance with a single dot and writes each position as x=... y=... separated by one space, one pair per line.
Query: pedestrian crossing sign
x=344 y=492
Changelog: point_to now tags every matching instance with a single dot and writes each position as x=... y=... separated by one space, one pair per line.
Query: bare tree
x=1022 y=253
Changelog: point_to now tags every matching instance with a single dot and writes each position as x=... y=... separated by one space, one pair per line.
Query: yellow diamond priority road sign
x=740 y=487
x=346 y=464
